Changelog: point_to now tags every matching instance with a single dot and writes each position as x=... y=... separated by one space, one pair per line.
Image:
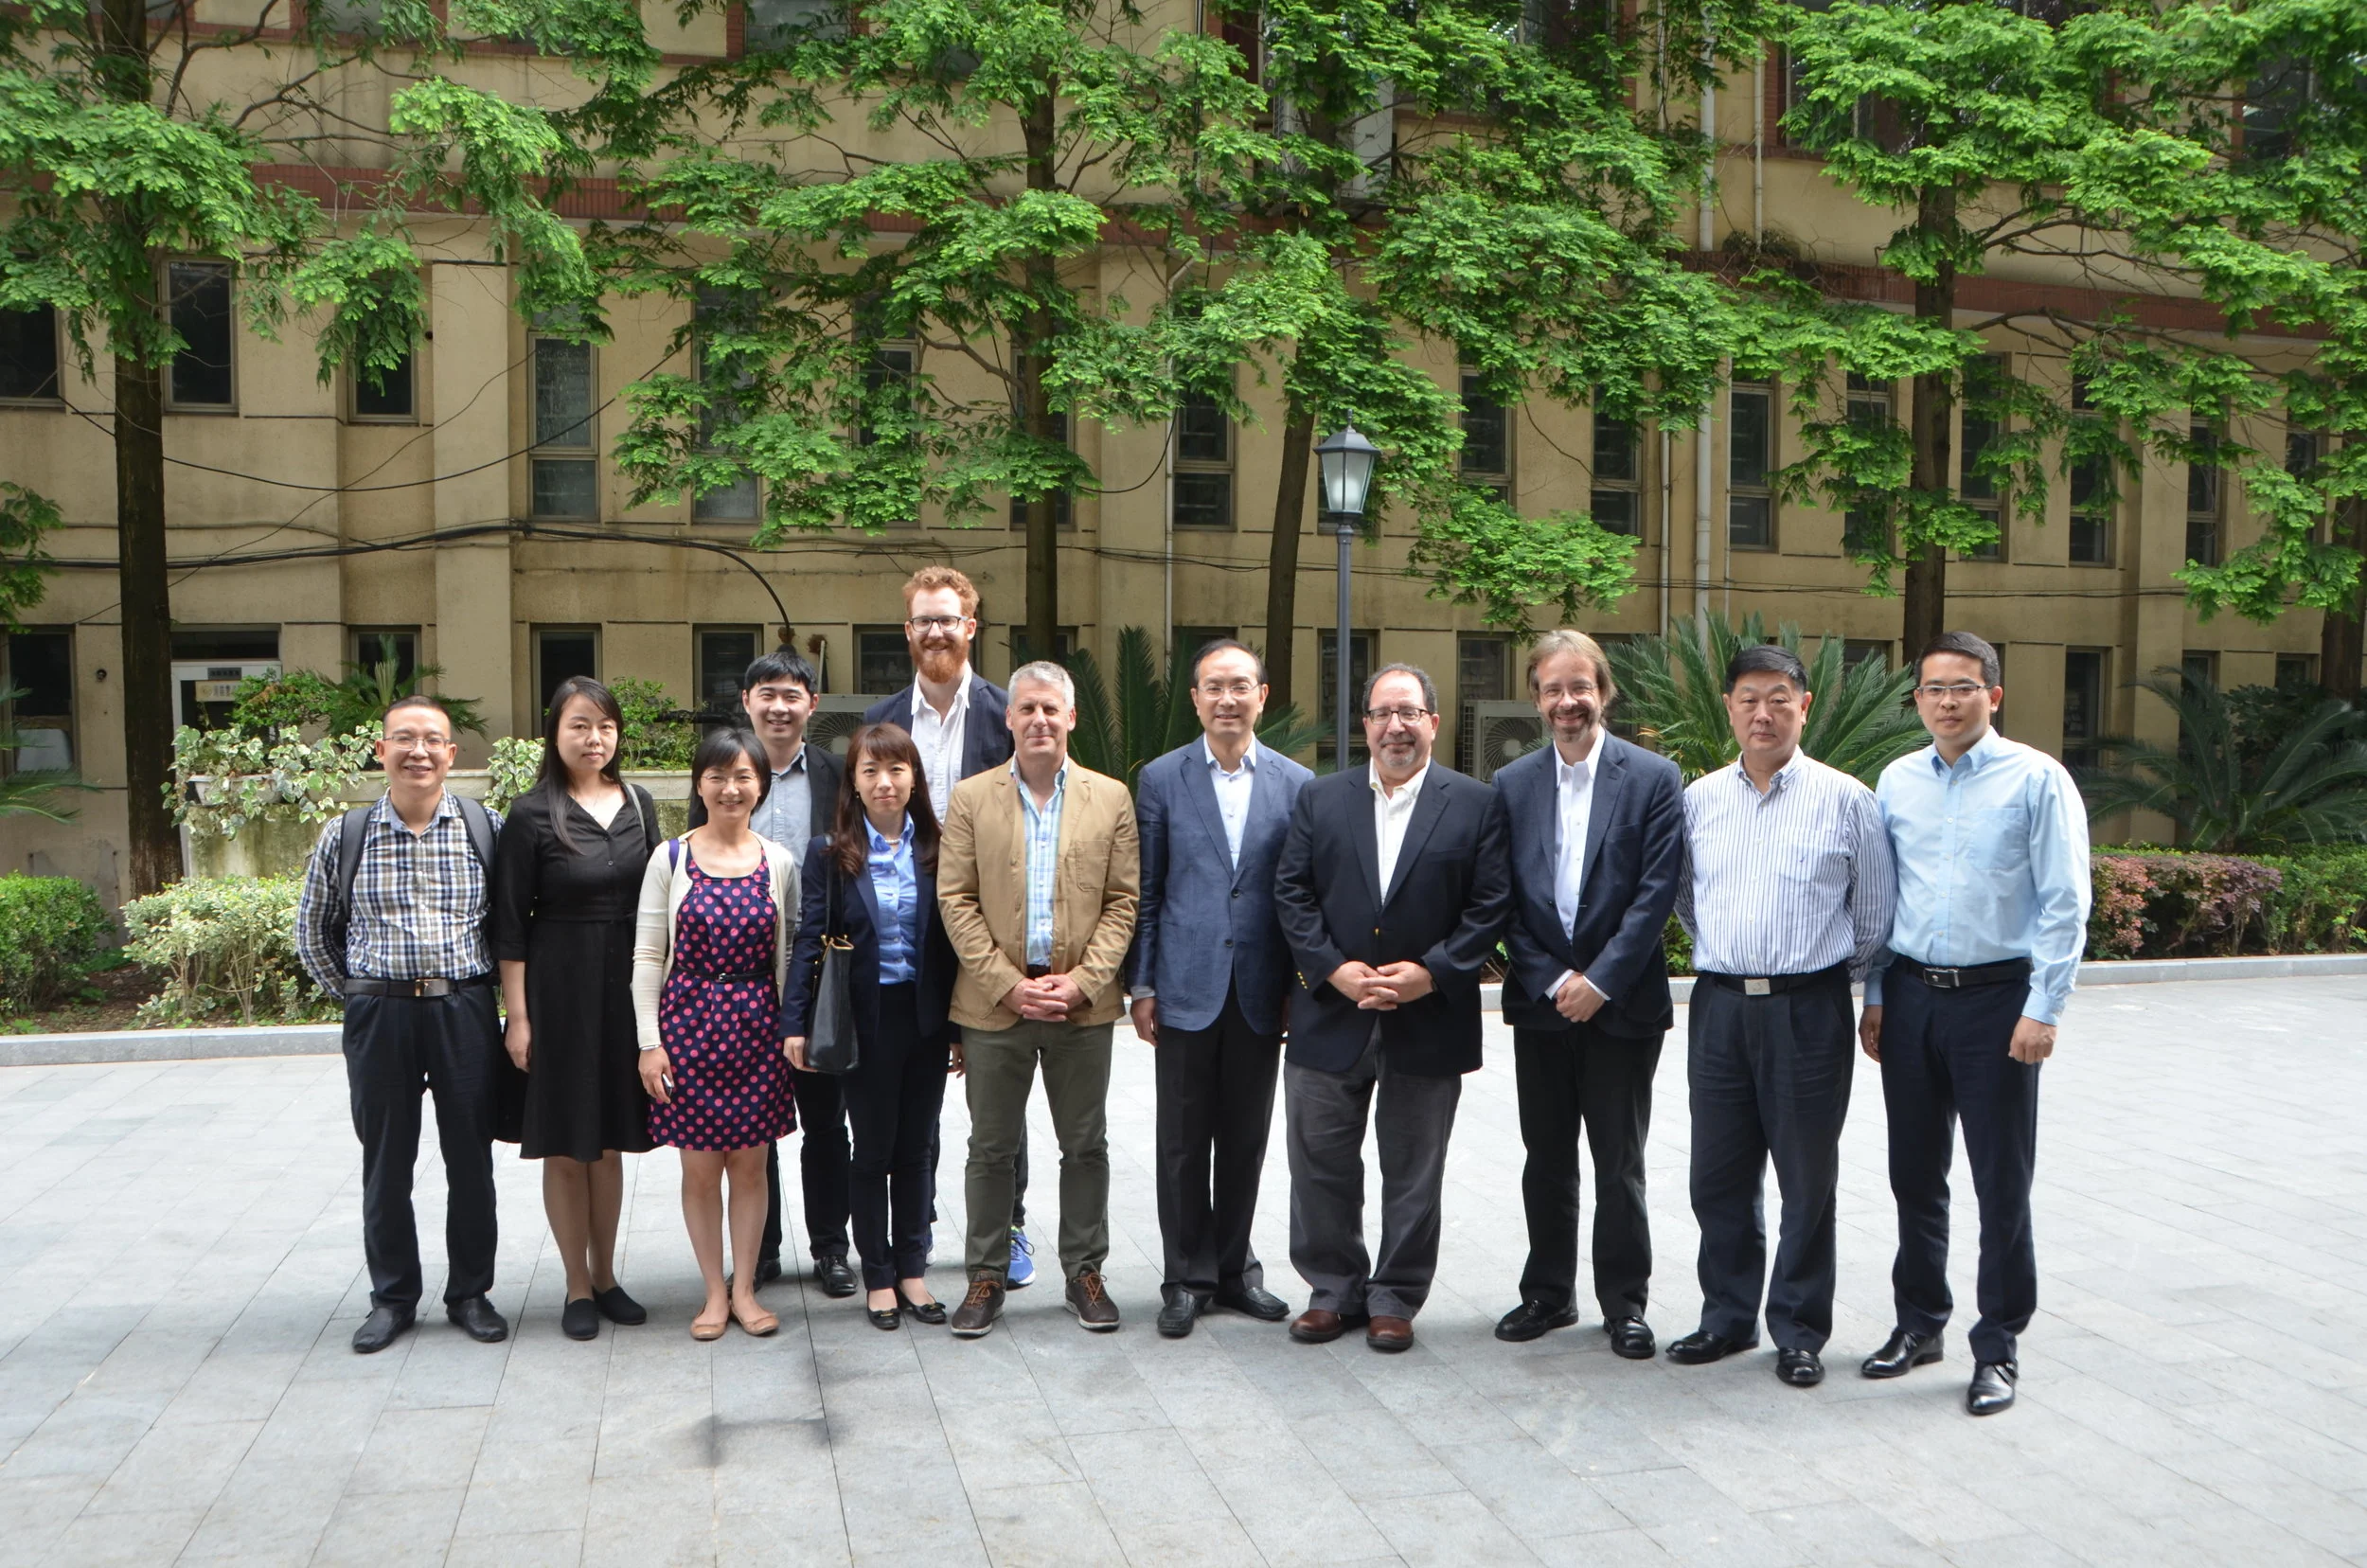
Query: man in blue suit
x=1598 y=855
x=1208 y=976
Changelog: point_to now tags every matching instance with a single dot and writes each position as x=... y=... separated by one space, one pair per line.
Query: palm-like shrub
x=1149 y=715
x=2309 y=788
x=1672 y=690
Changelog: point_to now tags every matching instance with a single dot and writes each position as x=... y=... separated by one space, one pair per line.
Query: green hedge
x=52 y=928
x=2164 y=903
x=223 y=943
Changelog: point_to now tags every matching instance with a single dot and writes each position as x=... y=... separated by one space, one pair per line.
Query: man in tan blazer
x=1038 y=877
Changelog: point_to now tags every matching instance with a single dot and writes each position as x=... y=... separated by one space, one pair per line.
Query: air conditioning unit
x=835 y=720
x=1501 y=732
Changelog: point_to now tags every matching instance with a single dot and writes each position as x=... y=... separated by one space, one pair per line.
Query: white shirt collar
x=961 y=696
x=1590 y=761
x=1249 y=757
x=1406 y=791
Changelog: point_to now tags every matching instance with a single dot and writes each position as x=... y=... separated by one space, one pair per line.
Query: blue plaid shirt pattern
x=1043 y=862
x=418 y=902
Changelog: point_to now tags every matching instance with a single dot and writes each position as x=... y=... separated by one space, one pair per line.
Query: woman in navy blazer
x=872 y=878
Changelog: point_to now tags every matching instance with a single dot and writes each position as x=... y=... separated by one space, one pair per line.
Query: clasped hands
x=1046 y=999
x=1386 y=989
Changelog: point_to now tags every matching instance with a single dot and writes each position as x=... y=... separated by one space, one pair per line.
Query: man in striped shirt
x=1789 y=898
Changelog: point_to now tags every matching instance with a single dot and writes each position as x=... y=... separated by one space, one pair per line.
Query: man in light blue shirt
x=1991 y=838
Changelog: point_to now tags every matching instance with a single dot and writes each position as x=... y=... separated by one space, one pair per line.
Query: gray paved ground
x=180 y=1270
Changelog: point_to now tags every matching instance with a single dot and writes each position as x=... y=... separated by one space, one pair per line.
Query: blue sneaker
x=1022 y=1269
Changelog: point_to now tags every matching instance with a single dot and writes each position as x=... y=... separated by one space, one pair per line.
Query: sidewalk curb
x=56 y=1050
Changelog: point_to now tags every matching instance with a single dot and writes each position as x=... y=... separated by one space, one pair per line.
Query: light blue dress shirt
x=1044 y=861
x=1233 y=795
x=897 y=890
x=1992 y=856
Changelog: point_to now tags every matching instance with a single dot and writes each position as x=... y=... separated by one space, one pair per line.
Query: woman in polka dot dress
x=711 y=946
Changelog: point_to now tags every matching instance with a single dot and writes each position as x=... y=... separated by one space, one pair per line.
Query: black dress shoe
x=1631 y=1337
x=1254 y=1301
x=768 y=1270
x=477 y=1318
x=885 y=1317
x=380 y=1328
x=1533 y=1320
x=1177 y=1317
x=1701 y=1348
x=1800 y=1368
x=580 y=1319
x=1992 y=1387
x=617 y=1306
x=930 y=1313
x=830 y=1271
x=1901 y=1351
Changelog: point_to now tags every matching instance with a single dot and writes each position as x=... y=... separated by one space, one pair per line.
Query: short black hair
x=1430 y=688
x=726 y=744
x=1226 y=645
x=1769 y=658
x=782 y=664
x=416 y=699
x=1967 y=646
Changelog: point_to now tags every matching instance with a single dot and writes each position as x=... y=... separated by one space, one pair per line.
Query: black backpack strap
x=647 y=807
x=351 y=831
x=479 y=823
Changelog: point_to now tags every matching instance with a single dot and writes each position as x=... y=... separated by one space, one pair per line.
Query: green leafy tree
x=1149 y=715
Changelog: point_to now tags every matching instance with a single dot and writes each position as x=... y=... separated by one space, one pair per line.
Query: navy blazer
x=1443 y=909
x=986 y=731
x=1206 y=925
x=1635 y=862
x=858 y=917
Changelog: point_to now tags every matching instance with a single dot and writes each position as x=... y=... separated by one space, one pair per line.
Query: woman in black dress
x=572 y=855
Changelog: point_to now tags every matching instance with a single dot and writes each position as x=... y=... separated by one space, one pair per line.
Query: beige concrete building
x=469 y=512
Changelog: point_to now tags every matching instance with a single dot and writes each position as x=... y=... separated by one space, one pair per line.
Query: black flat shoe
x=1701 y=1348
x=580 y=1319
x=617 y=1306
x=381 y=1328
x=479 y=1320
x=930 y=1313
x=1901 y=1352
x=836 y=1277
x=1177 y=1317
x=1533 y=1320
x=1992 y=1387
x=1254 y=1301
x=1800 y=1368
x=884 y=1317
x=1631 y=1337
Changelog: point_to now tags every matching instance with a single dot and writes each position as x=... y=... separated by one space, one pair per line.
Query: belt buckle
x=433 y=987
x=1944 y=979
x=1755 y=987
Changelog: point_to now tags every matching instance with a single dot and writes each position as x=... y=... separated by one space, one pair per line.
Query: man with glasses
x=1392 y=888
x=1209 y=971
x=1991 y=843
x=392 y=918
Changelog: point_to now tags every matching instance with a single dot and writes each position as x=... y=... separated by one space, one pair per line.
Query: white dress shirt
x=1233 y=792
x=1391 y=813
x=1574 y=810
x=1790 y=881
x=939 y=740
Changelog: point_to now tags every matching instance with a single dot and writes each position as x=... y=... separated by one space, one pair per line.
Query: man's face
x=1041 y=719
x=1228 y=695
x=777 y=711
x=1952 y=700
x=1570 y=697
x=416 y=746
x=1398 y=726
x=1769 y=712
x=938 y=632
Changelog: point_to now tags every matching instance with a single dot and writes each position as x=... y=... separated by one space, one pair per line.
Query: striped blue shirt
x=1043 y=862
x=1787 y=882
x=1992 y=853
x=897 y=890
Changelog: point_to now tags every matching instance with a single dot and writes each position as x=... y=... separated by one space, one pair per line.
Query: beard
x=942 y=662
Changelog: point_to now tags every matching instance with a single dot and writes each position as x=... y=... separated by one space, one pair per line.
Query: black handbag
x=831 y=1044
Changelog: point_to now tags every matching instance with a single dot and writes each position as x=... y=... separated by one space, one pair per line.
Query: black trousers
x=822 y=1168
x=1944 y=1057
x=1569 y=1078
x=1215 y=1106
x=1769 y=1078
x=395 y=1047
x=892 y=1099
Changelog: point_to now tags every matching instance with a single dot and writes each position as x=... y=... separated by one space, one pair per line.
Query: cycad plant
x=1148 y=715
x=1672 y=690
x=2309 y=788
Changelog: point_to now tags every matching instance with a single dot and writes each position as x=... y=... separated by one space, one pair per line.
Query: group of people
x=995 y=907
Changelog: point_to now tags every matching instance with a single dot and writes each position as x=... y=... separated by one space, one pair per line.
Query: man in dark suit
x=1212 y=817
x=1599 y=853
x=1392 y=889
x=777 y=694
x=959 y=722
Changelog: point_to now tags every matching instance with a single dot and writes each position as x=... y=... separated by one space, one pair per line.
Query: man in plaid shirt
x=408 y=955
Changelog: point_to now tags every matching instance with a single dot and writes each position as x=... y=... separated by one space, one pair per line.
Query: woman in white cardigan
x=718 y=908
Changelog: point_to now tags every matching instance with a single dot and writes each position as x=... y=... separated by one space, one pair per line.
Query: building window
x=884 y=660
x=1857 y=651
x=1750 y=462
x=1868 y=406
x=1486 y=458
x=565 y=475
x=2204 y=497
x=39 y=668
x=2271 y=102
x=1616 y=500
x=1063 y=645
x=28 y=355
x=1203 y=481
x=723 y=655
x=2083 y=704
x=2297 y=670
x=1190 y=641
x=348 y=18
x=1360 y=666
x=393 y=399
x=560 y=654
x=369 y=647
x=736 y=501
x=1978 y=491
x=2304 y=451
x=196 y=296
x=2092 y=512
x=769 y=23
x=1063 y=505
x=208 y=662
x=1483 y=673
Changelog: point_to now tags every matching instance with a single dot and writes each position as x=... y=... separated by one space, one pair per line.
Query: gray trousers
x=1001 y=1068
x=1324 y=1124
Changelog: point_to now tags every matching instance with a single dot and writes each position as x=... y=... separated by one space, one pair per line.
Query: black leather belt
x=362 y=985
x=737 y=975
x=1775 y=984
x=2004 y=972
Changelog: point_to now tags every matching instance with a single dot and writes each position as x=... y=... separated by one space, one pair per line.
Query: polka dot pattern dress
x=731 y=1082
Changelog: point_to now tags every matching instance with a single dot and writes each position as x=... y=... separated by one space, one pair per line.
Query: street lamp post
x=1346 y=459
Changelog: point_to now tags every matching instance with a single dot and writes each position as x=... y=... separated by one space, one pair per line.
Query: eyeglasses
x=936 y=623
x=407 y=741
x=1408 y=716
x=1959 y=688
x=1228 y=688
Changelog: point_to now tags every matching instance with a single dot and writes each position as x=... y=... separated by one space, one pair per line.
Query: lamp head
x=1346 y=459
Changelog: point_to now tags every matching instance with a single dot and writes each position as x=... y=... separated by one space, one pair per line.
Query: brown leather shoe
x=975 y=1316
x=1321 y=1324
x=1089 y=1302
x=1389 y=1334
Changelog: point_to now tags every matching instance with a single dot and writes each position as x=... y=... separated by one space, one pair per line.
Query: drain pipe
x=1703 y=433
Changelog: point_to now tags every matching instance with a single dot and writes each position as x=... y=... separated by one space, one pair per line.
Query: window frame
x=1763 y=489
x=1181 y=468
x=166 y=290
x=1503 y=481
x=1466 y=643
x=539 y=632
x=1369 y=638
x=1994 y=505
x=701 y=671
x=539 y=452
x=1631 y=487
x=354 y=414
x=2212 y=520
x=359 y=649
x=903 y=643
x=2080 y=751
x=13 y=714
x=55 y=396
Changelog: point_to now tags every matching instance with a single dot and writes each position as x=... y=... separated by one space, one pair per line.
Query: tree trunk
x=1282 y=559
x=1043 y=534
x=1924 y=615
x=2340 y=643
x=144 y=595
